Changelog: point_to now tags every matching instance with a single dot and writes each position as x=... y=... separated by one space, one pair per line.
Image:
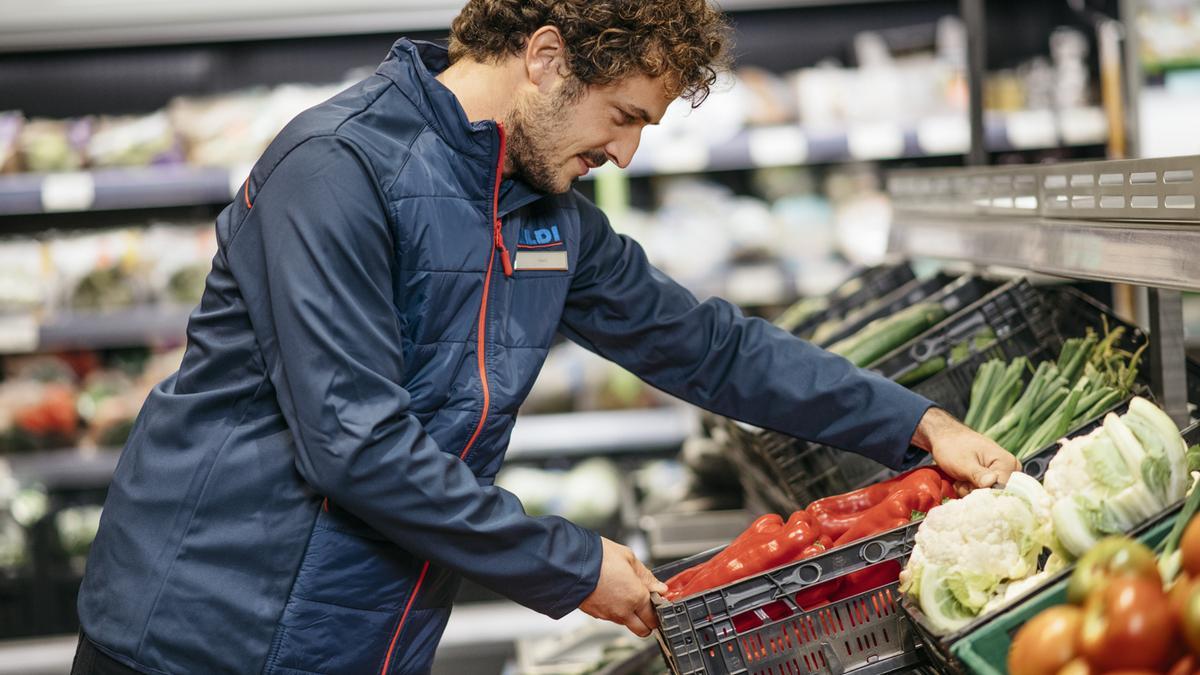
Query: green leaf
x=1156 y=474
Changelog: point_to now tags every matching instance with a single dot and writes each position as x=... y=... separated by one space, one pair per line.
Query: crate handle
x=874 y=551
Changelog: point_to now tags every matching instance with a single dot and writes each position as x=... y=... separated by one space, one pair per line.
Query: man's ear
x=545 y=58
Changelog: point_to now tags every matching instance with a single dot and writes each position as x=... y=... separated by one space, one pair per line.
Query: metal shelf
x=112 y=189
x=1129 y=221
x=609 y=432
x=59 y=469
x=132 y=327
x=788 y=145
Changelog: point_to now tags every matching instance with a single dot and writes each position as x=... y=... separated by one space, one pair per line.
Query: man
x=304 y=494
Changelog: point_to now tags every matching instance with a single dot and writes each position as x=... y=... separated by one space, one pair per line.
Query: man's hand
x=622 y=594
x=967 y=456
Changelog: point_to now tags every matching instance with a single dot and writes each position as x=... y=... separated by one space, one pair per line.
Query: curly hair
x=684 y=41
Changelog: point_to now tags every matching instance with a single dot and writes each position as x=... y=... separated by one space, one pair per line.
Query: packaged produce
x=54 y=145
x=11 y=122
x=182 y=259
x=25 y=278
x=101 y=271
x=134 y=141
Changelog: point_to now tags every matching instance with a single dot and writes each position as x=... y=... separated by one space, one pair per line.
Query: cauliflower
x=968 y=550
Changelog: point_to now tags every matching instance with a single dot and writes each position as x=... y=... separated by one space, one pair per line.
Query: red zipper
x=481 y=357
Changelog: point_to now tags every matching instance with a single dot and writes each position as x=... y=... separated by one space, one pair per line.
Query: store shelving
x=790 y=145
x=124 y=188
x=132 y=327
x=1132 y=221
x=535 y=437
x=1128 y=221
x=786 y=145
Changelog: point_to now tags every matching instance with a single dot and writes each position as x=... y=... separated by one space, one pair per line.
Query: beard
x=538 y=131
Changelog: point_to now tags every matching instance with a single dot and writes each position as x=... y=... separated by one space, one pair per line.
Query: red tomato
x=1189 y=547
x=1047 y=643
x=1185 y=666
x=1190 y=618
x=1128 y=625
x=1077 y=667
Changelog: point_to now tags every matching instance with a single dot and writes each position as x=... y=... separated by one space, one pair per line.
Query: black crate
x=864 y=633
x=909 y=294
x=1015 y=312
x=872 y=283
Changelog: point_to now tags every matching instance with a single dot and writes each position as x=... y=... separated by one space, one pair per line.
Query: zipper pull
x=505 y=260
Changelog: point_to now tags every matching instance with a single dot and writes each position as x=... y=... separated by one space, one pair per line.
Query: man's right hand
x=622 y=594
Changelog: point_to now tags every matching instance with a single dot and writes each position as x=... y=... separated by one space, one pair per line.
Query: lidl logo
x=540 y=237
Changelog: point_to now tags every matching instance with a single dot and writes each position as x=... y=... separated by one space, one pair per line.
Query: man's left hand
x=973 y=459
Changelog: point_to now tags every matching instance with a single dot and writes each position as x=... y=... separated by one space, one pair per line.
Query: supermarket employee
x=305 y=493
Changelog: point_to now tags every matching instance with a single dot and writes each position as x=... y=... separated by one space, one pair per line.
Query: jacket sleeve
x=710 y=355
x=315 y=261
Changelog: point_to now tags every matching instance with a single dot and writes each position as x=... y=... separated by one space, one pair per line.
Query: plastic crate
x=874 y=282
x=943 y=649
x=1015 y=312
x=985 y=651
x=909 y=294
x=864 y=633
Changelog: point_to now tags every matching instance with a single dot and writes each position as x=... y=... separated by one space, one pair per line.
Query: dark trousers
x=91 y=661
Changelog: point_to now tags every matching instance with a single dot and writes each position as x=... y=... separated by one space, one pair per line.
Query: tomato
x=1190 y=623
x=1178 y=595
x=1046 y=643
x=1128 y=624
x=1111 y=558
x=1077 y=667
x=1189 y=547
x=1185 y=666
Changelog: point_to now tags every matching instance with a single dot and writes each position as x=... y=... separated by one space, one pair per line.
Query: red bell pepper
x=766 y=523
x=753 y=554
x=892 y=512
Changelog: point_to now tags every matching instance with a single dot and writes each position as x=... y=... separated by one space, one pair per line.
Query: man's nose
x=620 y=151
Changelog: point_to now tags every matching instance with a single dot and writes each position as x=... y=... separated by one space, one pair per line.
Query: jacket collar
x=413 y=65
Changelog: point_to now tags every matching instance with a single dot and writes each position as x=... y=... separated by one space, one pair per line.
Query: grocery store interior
x=993 y=203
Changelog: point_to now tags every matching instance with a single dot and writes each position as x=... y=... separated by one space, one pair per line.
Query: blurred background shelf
x=131 y=327
x=762 y=147
x=790 y=145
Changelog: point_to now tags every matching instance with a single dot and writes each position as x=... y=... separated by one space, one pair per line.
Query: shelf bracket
x=1168 y=377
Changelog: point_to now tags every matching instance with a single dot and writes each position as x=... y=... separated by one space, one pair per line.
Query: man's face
x=554 y=138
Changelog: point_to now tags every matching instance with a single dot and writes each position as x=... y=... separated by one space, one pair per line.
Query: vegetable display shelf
x=945 y=650
x=864 y=633
x=781 y=474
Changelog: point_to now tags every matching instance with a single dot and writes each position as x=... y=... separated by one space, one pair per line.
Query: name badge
x=541 y=260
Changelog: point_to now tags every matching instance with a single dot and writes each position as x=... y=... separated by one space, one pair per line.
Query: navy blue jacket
x=304 y=494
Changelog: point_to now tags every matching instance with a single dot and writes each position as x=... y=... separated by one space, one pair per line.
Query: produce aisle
x=820 y=187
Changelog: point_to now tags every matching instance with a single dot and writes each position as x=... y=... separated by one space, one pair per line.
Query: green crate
x=985 y=651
